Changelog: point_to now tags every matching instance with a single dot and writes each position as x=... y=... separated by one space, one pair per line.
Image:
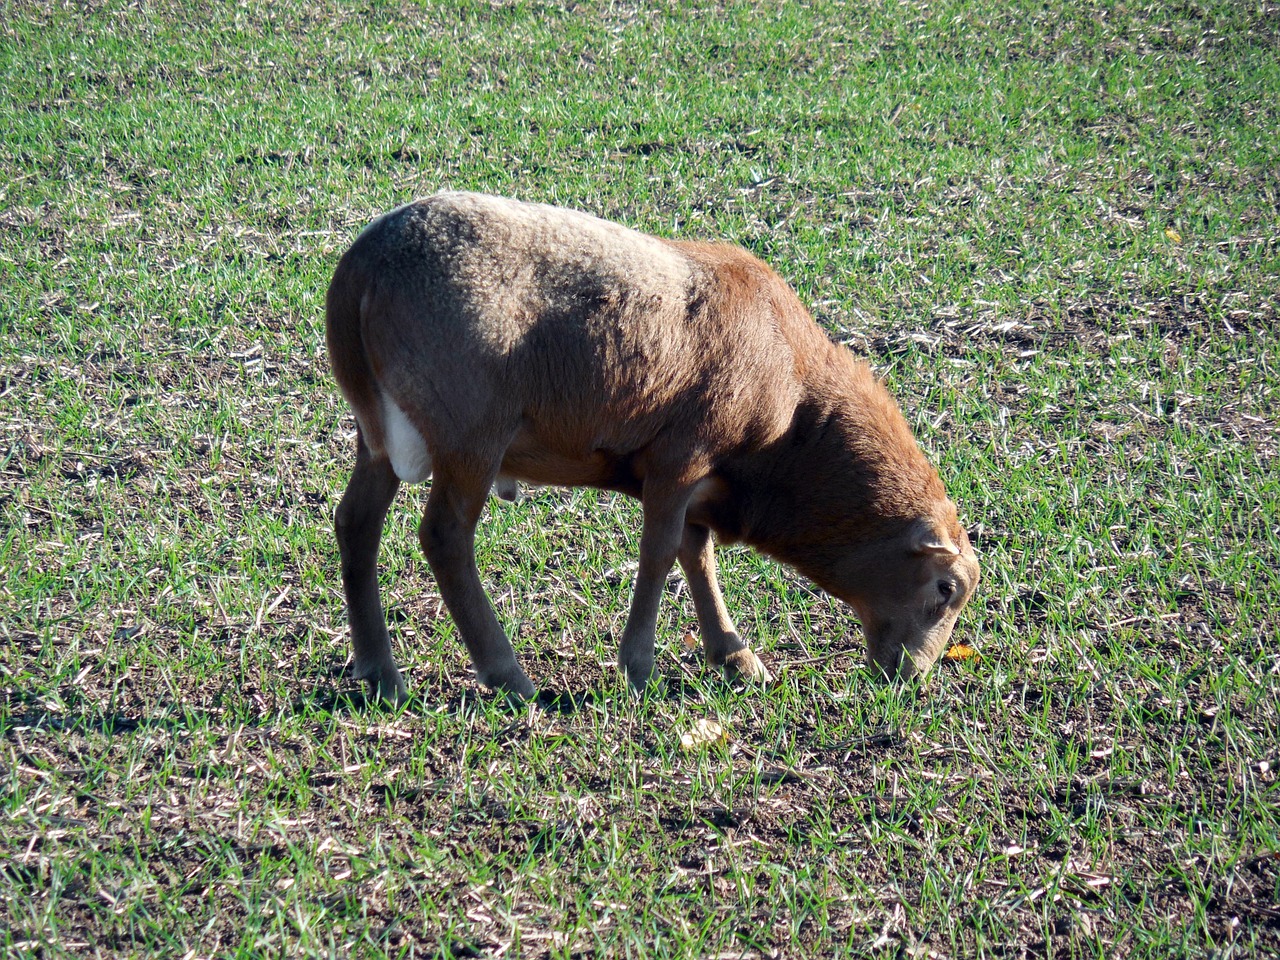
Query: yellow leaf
x=1173 y=234
x=961 y=651
x=690 y=641
x=704 y=732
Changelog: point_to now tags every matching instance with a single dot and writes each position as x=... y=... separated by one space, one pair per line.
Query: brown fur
x=524 y=342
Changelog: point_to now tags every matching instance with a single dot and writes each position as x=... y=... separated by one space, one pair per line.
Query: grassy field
x=1054 y=229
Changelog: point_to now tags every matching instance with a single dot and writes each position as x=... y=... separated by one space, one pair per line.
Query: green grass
x=1053 y=228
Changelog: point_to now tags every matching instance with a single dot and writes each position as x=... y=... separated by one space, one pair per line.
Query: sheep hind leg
x=358 y=524
x=447 y=534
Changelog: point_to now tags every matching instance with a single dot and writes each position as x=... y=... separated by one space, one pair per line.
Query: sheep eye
x=946 y=590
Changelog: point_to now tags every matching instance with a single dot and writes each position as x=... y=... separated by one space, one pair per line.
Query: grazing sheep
x=482 y=341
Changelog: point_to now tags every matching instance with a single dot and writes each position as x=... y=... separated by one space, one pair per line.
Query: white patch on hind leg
x=405 y=446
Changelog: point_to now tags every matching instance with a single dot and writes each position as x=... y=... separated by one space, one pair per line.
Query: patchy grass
x=1054 y=229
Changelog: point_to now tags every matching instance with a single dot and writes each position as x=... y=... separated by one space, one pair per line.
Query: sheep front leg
x=664 y=510
x=720 y=641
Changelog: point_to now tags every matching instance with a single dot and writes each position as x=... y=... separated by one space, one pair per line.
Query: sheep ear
x=927 y=540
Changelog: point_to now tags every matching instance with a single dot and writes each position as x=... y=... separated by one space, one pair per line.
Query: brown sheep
x=483 y=341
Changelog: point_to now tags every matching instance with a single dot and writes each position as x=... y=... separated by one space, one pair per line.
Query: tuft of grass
x=1053 y=230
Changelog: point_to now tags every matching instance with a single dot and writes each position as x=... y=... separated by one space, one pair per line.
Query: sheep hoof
x=745 y=665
